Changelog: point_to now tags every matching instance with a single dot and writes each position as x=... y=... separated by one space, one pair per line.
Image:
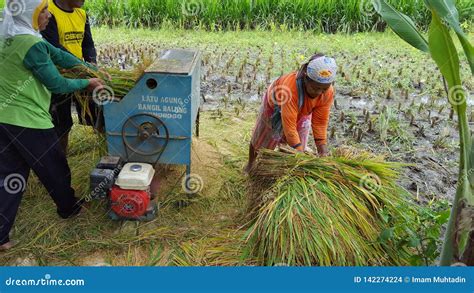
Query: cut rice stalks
x=326 y=211
x=224 y=249
x=117 y=87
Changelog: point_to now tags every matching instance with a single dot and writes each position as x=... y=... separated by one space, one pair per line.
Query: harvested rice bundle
x=117 y=87
x=325 y=211
x=121 y=81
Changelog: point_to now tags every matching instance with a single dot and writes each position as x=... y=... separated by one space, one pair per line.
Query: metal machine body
x=170 y=91
x=152 y=124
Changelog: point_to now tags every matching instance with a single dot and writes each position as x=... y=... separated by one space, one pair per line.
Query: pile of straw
x=311 y=211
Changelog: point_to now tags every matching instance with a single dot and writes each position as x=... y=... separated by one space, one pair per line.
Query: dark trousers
x=61 y=113
x=24 y=149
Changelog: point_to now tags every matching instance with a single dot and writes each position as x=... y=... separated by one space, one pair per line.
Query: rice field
x=328 y=16
x=390 y=102
x=320 y=15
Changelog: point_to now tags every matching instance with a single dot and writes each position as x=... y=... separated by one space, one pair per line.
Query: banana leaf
x=402 y=25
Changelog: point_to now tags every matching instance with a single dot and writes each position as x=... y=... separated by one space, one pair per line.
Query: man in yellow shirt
x=69 y=30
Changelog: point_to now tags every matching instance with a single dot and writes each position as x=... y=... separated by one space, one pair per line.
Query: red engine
x=129 y=204
x=128 y=192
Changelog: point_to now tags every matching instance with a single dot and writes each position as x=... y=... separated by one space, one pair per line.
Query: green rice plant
x=215 y=15
x=391 y=129
x=327 y=211
x=459 y=239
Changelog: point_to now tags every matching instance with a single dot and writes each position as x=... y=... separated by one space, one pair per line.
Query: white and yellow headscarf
x=20 y=17
x=323 y=70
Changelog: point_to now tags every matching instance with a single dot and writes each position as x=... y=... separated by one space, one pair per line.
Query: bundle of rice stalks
x=116 y=87
x=326 y=211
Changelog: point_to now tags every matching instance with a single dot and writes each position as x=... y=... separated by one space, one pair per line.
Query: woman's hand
x=323 y=150
x=95 y=84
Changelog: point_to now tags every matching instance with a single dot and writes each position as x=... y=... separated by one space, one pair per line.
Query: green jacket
x=28 y=76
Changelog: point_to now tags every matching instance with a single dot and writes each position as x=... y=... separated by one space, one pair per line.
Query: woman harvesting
x=294 y=104
x=27 y=138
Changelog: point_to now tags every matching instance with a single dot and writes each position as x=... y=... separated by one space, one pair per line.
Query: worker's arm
x=39 y=60
x=51 y=34
x=64 y=59
x=88 y=47
x=320 y=123
x=289 y=117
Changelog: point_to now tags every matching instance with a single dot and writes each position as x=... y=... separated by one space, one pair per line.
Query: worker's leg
x=14 y=172
x=263 y=137
x=252 y=158
x=50 y=165
x=304 y=128
x=62 y=119
x=64 y=142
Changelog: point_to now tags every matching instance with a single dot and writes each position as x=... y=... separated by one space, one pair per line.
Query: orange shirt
x=286 y=92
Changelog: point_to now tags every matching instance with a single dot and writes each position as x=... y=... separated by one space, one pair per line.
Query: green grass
x=319 y=15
